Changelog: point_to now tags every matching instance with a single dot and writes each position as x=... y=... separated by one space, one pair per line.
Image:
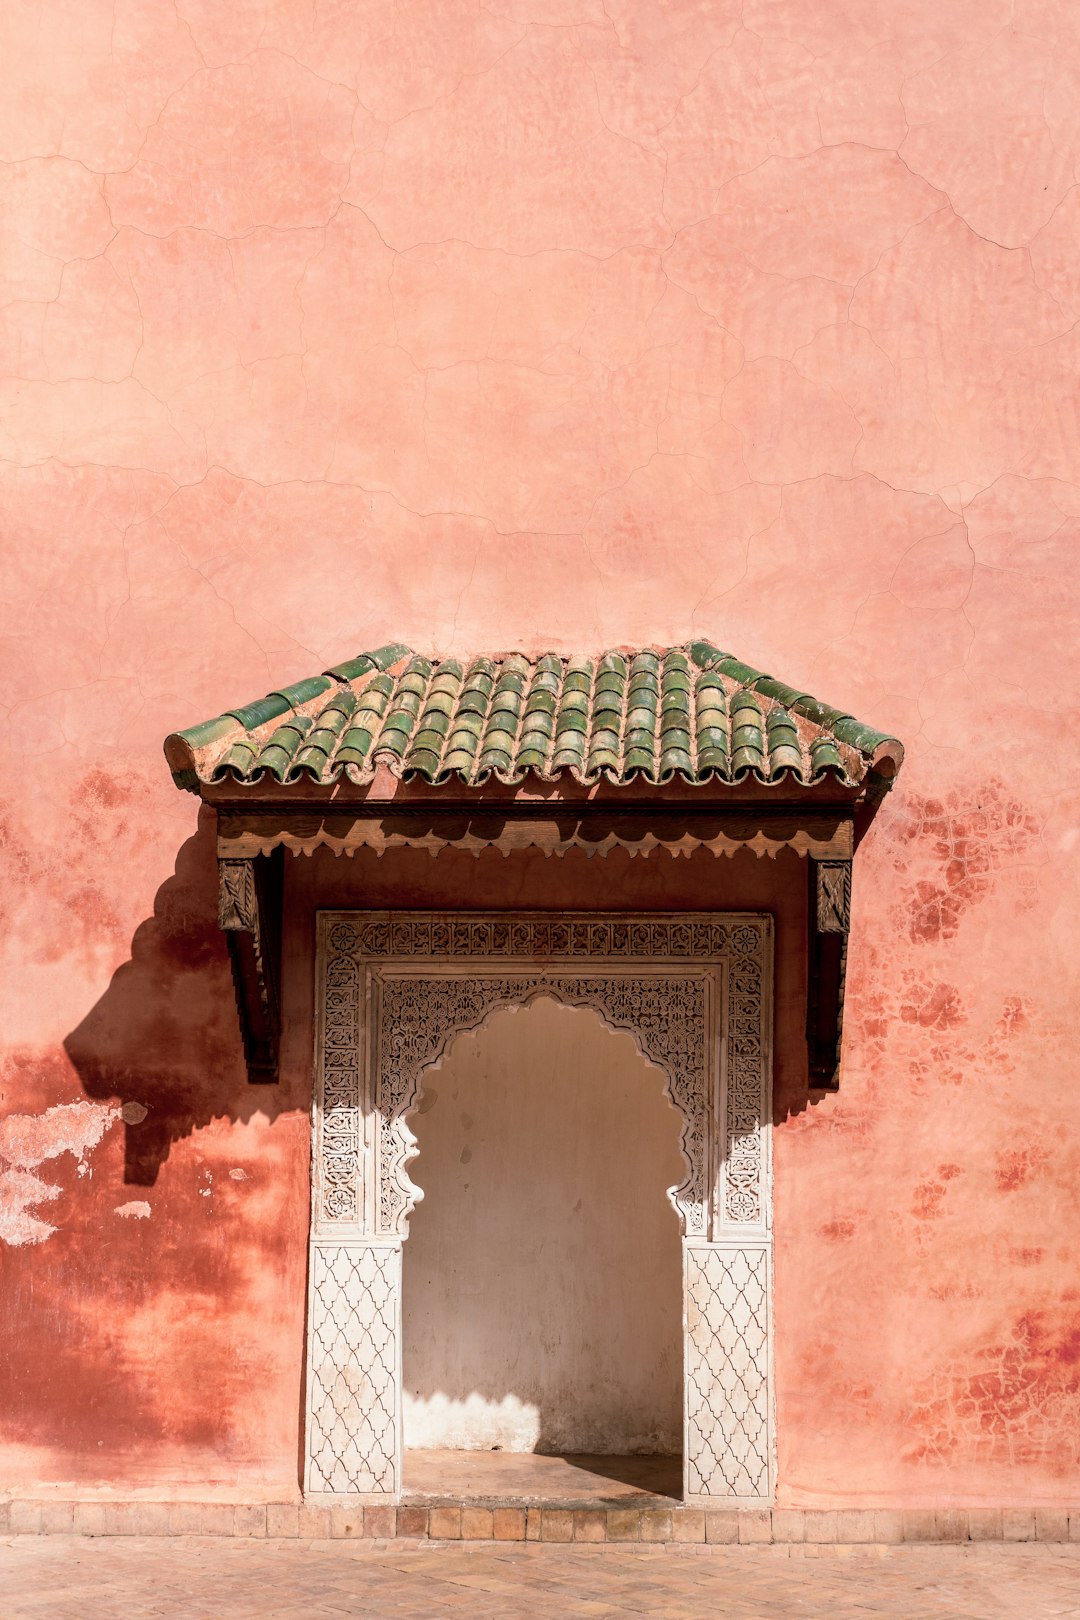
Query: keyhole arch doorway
x=419 y=1015
x=392 y=990
x=451 y=1029
x=542 y=1275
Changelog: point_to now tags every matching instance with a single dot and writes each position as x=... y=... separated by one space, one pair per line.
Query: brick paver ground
x=202 y=1578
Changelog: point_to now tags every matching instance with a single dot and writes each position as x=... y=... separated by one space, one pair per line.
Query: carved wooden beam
x=249 y=912
x=829 y=922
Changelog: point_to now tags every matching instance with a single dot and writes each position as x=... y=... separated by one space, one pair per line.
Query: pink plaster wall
x=560 y=323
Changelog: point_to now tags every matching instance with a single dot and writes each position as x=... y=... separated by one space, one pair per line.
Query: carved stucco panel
x=353 y=1438
x=355 y=945
x=338 y=1158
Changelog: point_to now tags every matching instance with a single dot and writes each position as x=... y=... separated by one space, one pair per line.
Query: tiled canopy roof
x=690 y=712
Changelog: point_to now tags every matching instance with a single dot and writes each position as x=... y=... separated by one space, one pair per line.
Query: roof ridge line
x=865 y=738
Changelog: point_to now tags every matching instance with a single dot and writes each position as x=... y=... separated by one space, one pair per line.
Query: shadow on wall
x=165 y=1032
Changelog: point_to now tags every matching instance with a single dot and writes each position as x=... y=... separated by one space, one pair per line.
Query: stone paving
x=203 y=1578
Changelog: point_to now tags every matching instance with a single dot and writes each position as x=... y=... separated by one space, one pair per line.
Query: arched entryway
x=654 y=754
x=395 y=991
x=542 y=1276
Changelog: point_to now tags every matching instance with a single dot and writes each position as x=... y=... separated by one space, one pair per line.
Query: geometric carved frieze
x=446 y=935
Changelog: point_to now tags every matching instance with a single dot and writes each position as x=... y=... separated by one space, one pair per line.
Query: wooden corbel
x=249 y=912
x=829 y=914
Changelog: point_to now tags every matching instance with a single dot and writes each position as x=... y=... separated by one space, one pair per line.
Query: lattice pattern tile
x=727 y=1382
x=352 y=1444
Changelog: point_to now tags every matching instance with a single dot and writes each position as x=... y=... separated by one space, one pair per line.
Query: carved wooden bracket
x=829 y=922
x=249 y=912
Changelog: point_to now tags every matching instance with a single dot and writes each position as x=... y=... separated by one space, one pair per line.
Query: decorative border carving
x=339 y=1134
x=746 y=1104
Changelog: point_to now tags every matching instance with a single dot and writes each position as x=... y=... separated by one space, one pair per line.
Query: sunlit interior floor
x=501 y=1476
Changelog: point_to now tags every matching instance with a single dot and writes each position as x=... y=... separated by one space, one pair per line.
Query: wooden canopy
x=655 y=753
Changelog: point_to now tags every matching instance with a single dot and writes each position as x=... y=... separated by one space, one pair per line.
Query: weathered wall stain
x=1012 y=1402
x=964 y=839
x=1016 y=1166
x=934 y=1006
x=927 y=1201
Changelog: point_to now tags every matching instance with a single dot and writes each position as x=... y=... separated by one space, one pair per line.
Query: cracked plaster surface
x=564 y=324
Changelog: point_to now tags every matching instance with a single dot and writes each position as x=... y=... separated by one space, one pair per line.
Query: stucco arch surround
x=518 y=998
x=393 y=991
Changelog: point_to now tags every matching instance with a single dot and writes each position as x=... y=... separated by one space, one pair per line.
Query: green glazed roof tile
x=277 y=755
x=691 y=713
x=253 y=715
x=239 y=759
x=301 y=691
x=381 y=658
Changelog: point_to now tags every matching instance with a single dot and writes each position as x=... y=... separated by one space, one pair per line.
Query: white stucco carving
x=419 y=1017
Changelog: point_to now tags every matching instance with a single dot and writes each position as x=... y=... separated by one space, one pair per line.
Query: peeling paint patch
x=136 y=1209
x=30 y=1140
x=133 y=1113
x=238 y=1175
x=19 y=1191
